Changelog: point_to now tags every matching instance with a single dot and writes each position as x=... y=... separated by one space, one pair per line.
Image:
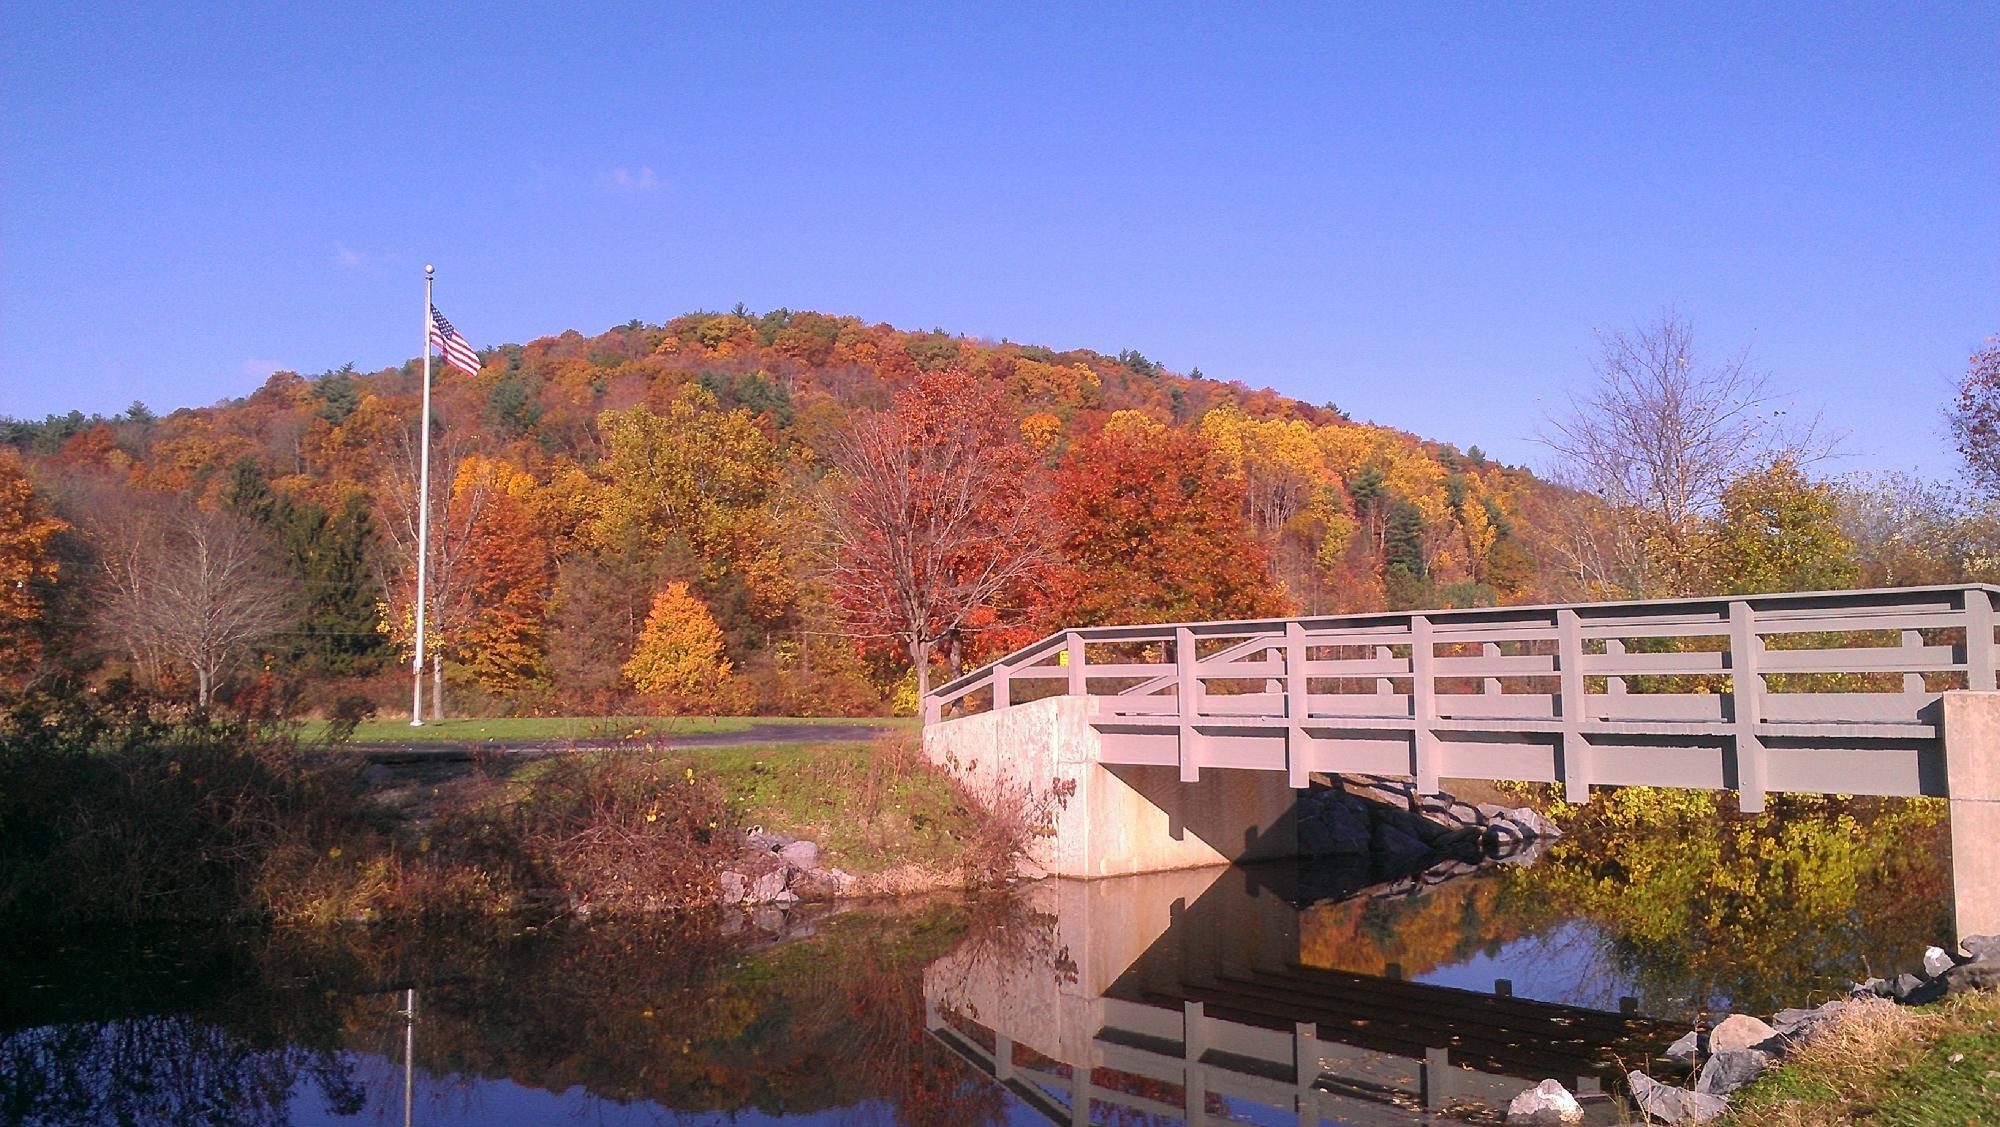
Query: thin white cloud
x=626 y=180
x=346 y=257
x=259 y=369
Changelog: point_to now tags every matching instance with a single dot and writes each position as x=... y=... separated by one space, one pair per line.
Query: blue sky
x=1420 y=213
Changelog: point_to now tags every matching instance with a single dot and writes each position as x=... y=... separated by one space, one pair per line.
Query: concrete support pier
x=1043 y=759
x=1972 y=787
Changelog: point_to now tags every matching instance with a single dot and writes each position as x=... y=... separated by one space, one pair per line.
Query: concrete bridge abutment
x=1042 y=761
x=1972 y=788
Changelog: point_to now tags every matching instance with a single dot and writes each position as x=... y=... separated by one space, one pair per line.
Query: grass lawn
x=1883 y=1063
x=870 y=807
x=470 y=730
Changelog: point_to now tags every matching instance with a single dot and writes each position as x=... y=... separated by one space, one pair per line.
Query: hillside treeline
x=666 y=516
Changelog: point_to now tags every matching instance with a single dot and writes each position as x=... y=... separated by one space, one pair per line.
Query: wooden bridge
x=1824 y=692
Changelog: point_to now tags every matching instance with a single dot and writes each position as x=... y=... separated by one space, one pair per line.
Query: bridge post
x=1423 y=705
x=1187 y=697
x=1972 y=783
x=1569 y=667
x=1295 y=706
x=1979 y=671
x=1073 y=654
x=1746 y=706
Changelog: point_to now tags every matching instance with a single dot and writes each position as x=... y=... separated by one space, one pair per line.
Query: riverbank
x=123 y=810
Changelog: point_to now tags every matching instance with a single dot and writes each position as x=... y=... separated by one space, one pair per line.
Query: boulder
x=1397 y=842
x=1533 y=822
x=1726 y=1072
x=1936 y=962
x=1669 y=1104
x=758 y=840
x=1334 y=829
x=1980 y=974
x=1981 y=946
x=765 y=887
x=1870 y=988
x=734 y=886
x=1464 y=842
x=1797 y=1024
x=1685 y=1049
x=1911 y=990
x=1740 y=1031
x=1546 y=1103
x=1026 y=869
x=804 y=854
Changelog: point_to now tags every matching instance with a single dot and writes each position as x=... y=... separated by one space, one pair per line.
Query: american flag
x=457 y=352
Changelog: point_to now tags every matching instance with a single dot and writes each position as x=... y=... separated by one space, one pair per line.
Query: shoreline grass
x=665 y=728
x=1879 y=1062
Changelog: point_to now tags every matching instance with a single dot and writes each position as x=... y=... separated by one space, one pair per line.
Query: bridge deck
x=1826 y=692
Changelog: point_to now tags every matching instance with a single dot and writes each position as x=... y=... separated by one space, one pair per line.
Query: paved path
x=800 y=731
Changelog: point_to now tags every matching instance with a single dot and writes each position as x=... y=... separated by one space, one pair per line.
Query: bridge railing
x=1857 y=664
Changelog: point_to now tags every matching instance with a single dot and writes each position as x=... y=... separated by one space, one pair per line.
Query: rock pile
x=1363 y=815
x=1740 y=1047
x=774 y=868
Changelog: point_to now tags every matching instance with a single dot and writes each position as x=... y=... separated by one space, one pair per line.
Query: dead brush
x=637 y=828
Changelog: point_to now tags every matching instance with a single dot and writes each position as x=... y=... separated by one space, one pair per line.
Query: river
x=1290 y=994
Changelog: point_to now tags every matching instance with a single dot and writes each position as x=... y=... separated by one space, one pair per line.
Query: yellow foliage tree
x=679 y=659
x=1041 y=431
x=705 y=475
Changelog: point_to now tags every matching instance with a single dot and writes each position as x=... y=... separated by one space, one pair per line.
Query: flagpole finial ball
x=429 y=269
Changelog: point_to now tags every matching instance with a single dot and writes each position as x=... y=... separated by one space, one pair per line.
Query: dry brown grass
x=1878 y=1062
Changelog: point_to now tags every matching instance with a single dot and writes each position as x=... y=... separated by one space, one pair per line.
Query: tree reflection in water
x=1672 y=898
x=174 y=1068
x=1657 y=895
x=675 y=1016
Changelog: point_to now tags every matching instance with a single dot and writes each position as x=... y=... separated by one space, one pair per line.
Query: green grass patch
x=1880 y=1063
x=871 y=805
x=477 y=729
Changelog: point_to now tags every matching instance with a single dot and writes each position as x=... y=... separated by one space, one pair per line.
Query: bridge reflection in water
x=1185 y=995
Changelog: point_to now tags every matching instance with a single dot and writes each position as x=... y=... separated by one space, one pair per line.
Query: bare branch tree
x=1657 y=437
x=184 y=586
x=933 y=512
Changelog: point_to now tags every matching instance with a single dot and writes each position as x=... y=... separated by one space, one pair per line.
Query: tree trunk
x=201 y=678
x=437 y=687
x=920 y=653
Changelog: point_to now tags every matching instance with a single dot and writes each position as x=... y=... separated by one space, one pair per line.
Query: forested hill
x=588 y=481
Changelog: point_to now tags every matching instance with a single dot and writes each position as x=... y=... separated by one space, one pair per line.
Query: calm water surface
x=1283 y=994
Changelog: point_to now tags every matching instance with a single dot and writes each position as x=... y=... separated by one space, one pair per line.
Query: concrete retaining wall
x=1111 y=821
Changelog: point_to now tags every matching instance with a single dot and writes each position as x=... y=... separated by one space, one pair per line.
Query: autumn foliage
x=846 y=501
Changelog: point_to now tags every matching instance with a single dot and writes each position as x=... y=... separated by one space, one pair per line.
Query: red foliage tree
x=934 y=512
x=1152 y=532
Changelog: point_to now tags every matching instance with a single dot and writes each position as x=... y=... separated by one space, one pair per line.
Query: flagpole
x=423 y=516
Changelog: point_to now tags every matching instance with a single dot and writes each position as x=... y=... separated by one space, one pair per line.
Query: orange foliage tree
x=25 y=532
